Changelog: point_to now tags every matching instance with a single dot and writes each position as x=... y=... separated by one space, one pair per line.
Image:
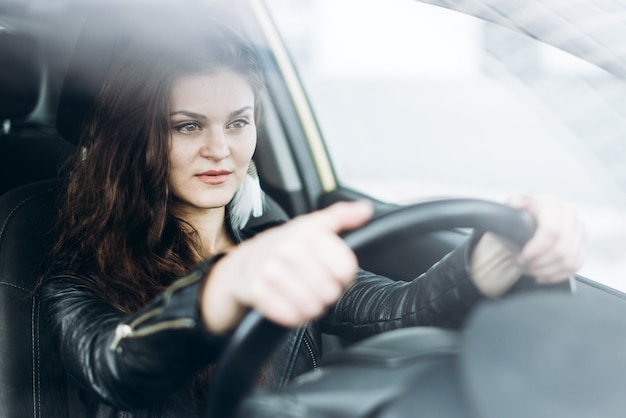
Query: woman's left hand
x=553 y=254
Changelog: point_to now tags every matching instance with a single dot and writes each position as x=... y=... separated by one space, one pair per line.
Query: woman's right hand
x=291 y=274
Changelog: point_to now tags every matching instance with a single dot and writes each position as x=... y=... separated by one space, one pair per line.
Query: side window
x=416 y=101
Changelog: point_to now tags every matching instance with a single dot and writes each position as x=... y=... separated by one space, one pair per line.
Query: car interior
x=52 y=66
x=52 y=74
x=54 y=71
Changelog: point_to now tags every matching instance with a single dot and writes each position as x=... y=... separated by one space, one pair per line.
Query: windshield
x=417 y=101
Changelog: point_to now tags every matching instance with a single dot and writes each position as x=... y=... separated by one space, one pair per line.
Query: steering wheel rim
x=256 y=337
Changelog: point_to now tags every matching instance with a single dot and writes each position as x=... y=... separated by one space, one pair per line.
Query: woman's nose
x=215 y=145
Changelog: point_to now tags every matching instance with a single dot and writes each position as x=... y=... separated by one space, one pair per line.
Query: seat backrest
x=32 y=380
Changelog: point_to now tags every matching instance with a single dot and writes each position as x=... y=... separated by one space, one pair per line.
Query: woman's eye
x=238 y=124
x=188 y=127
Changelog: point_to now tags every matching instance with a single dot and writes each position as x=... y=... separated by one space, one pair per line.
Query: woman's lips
x=214 y=176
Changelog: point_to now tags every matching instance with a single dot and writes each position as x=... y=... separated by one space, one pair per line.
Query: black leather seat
x=32 y=380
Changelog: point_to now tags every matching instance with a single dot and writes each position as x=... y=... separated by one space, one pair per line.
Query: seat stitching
x=35 y=337
x=15 y=209
x=37 y=315
x=23 y=289
x=32 y=333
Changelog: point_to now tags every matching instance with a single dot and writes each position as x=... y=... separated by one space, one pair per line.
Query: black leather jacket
x=139 y=365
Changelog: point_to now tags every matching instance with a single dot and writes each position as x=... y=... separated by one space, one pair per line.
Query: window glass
x=418 y=101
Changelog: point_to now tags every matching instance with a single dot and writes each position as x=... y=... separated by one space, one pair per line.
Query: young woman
x=154 y=267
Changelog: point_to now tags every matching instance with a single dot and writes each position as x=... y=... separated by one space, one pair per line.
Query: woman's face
x=213 y=137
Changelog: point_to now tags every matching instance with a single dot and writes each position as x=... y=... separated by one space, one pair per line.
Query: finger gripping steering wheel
x=255 y=338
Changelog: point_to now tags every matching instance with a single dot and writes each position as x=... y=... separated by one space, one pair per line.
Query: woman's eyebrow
x=240 y=111
x=195 y=115
x=189 y=114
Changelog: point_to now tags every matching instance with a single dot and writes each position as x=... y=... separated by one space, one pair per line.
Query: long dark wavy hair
x=116 y=220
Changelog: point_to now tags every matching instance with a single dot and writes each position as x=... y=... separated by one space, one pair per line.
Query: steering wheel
x=255 y=338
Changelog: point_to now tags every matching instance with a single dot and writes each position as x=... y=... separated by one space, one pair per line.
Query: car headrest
x=104 y=33
x=20 y=75
x=85 y=75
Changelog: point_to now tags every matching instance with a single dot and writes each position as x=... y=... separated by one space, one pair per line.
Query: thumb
x=343 y=216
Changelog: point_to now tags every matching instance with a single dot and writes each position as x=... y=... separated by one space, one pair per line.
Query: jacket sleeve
x=130 y=361
x=442 y=297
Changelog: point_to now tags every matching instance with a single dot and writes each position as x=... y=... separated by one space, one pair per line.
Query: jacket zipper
x=310 y=350
x=123 y=331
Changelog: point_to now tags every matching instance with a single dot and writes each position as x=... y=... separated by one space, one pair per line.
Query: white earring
x=248 y=200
